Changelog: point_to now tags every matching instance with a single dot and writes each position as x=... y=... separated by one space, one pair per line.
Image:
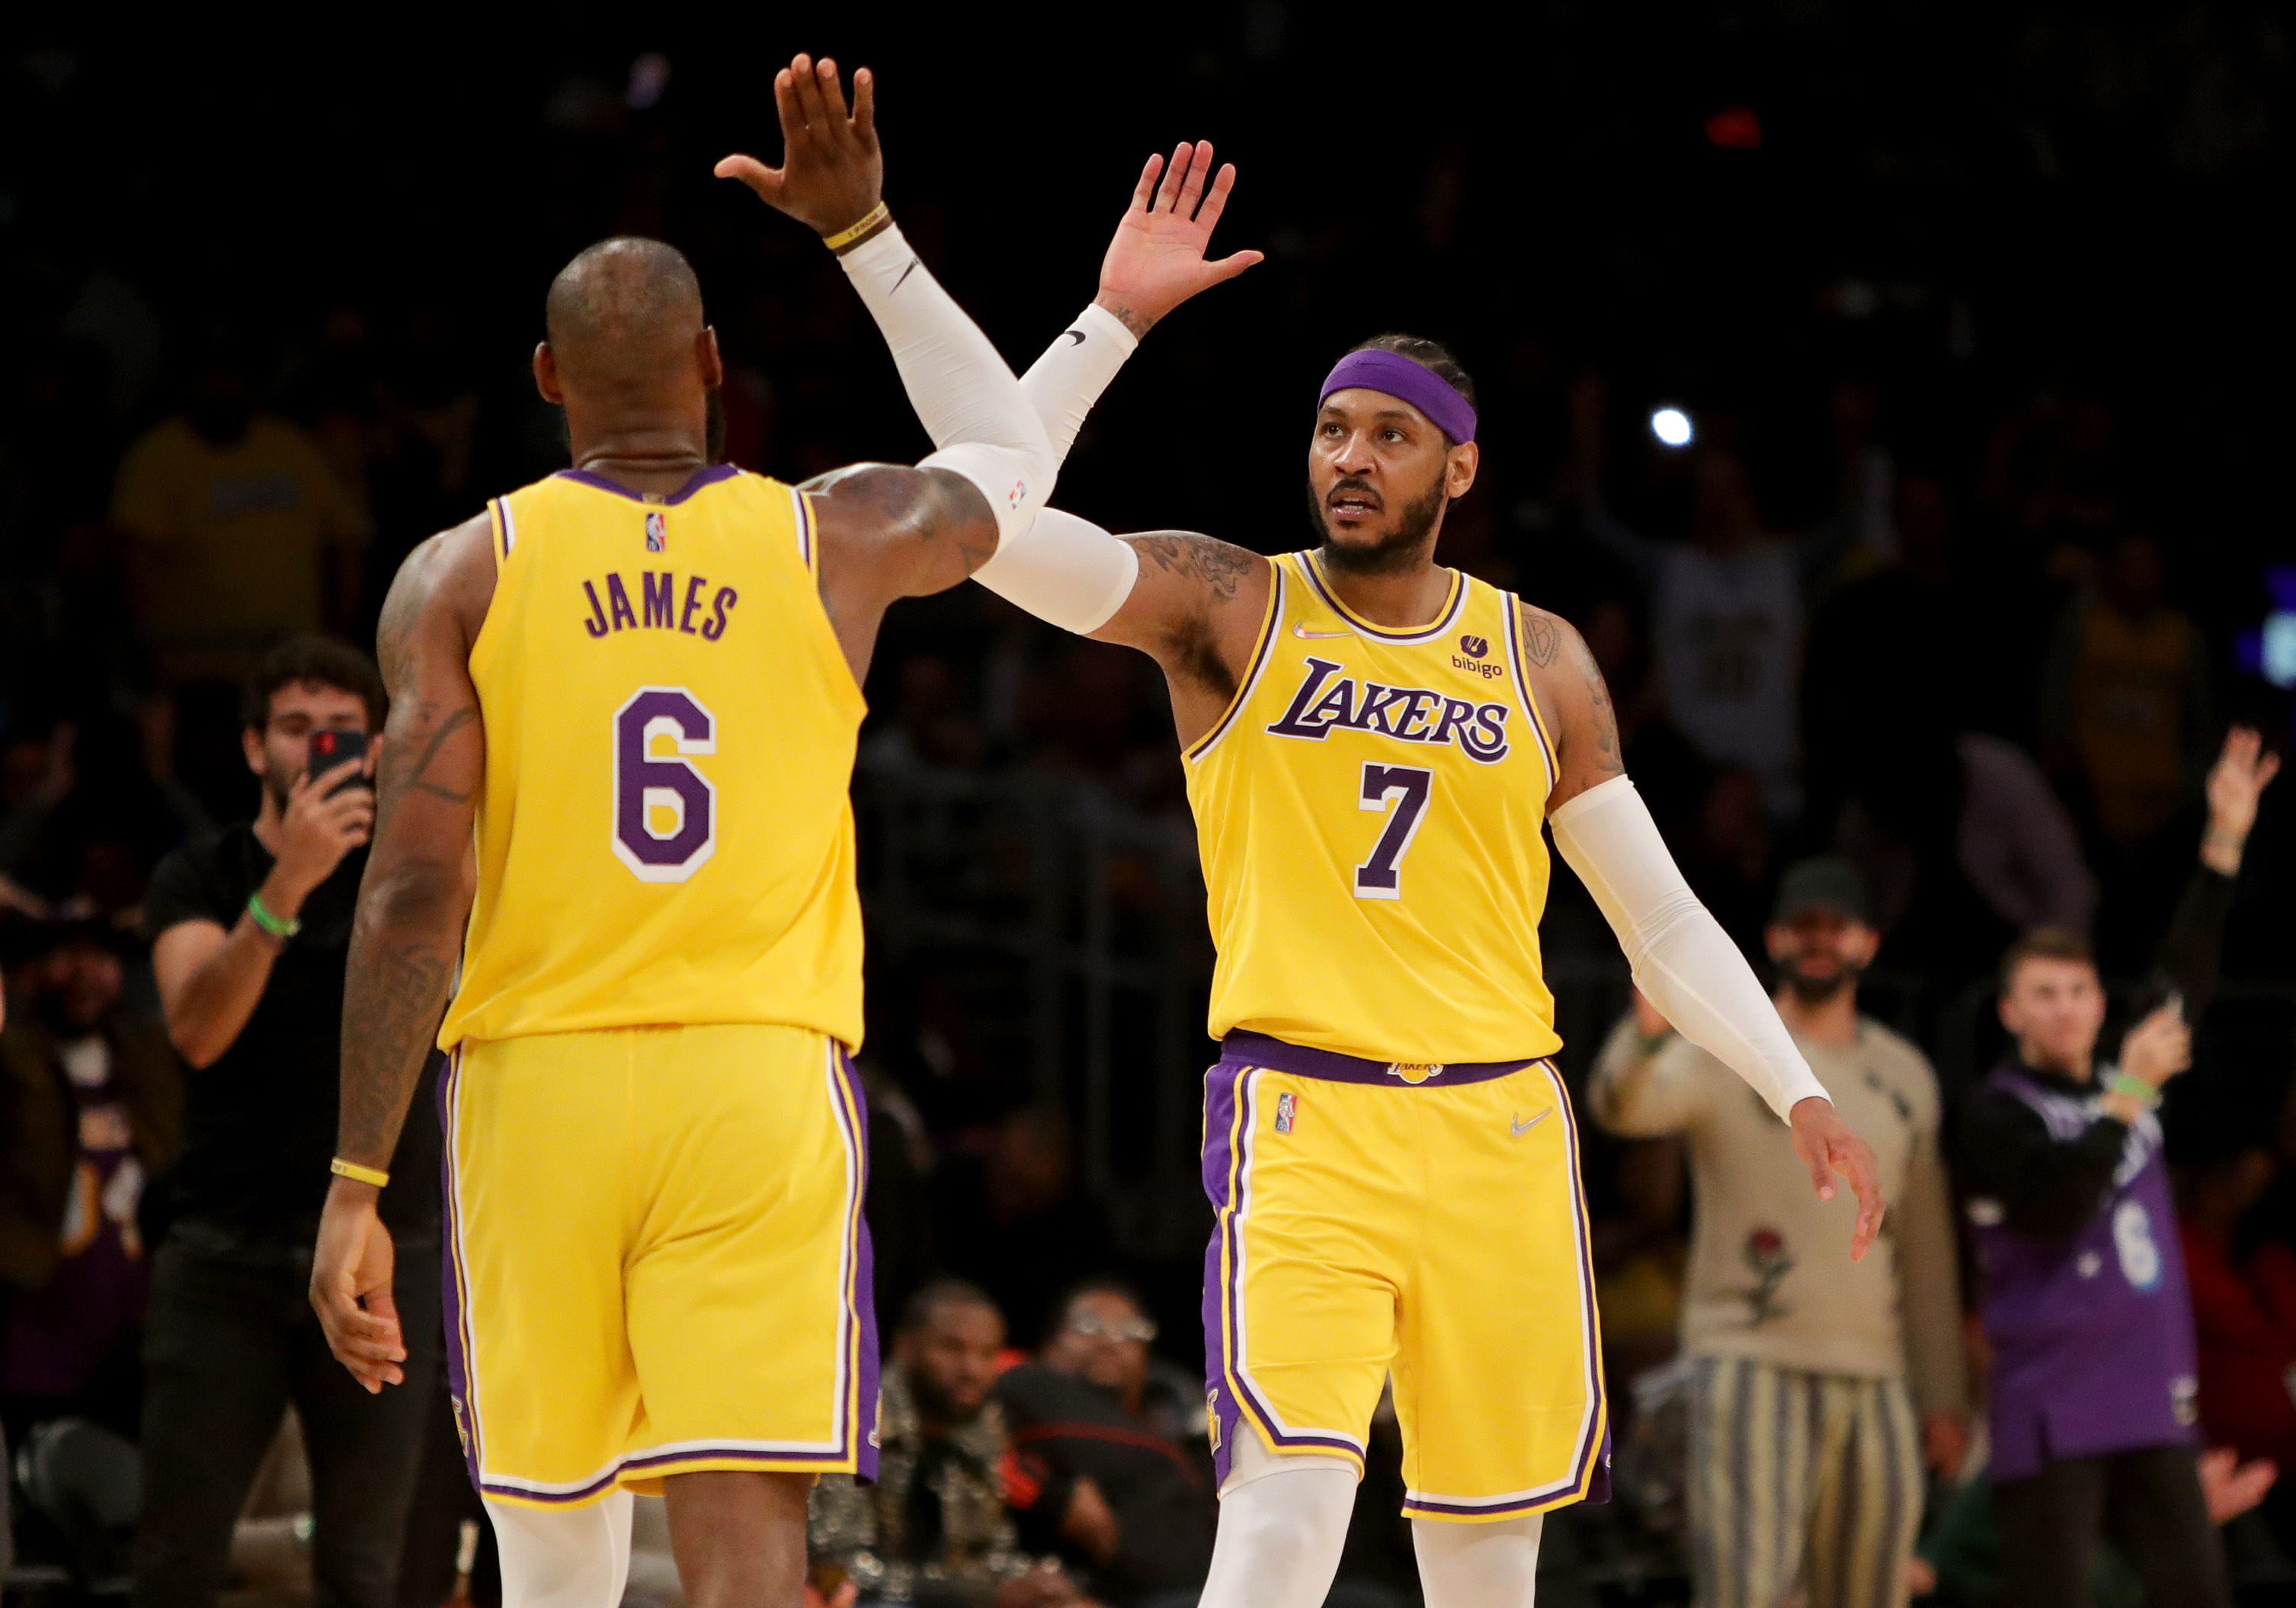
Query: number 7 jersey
x=665 y=829
x=1371 y=811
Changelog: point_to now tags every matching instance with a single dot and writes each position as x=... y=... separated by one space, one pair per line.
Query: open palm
x=1158 y=259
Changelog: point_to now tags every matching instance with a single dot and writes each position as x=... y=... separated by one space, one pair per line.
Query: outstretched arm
x=412 y=903
x=887 y=531
x=1683 y=962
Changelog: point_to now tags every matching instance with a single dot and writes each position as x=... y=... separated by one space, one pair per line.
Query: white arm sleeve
x=965 y=397
x=1064 y=569
x=1682 y=959
x=1064 y=383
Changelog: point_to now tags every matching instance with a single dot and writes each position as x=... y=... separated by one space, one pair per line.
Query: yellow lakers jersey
x=1370 y=811
x=666 y=833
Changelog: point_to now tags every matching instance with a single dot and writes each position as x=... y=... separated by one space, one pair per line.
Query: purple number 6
x=644 y=784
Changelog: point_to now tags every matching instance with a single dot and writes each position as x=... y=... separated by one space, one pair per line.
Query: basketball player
x=1374 y=744
x=636 y=685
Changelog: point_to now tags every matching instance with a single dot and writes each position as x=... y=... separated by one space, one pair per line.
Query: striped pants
x=1805 y=1489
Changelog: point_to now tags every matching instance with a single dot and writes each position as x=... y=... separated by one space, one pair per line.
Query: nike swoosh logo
x=1312 y=635
x=904 y=279
x=1520 y=1128
x=1076 y=335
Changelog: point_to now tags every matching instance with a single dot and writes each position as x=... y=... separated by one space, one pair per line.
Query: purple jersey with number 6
x=2092 y=1335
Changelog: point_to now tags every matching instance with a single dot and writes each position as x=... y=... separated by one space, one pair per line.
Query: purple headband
x=1409 y=380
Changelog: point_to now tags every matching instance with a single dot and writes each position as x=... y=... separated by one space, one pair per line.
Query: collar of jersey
x=1313 y=567
x=710 y=476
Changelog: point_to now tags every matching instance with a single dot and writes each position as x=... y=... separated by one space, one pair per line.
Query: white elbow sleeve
x=1064 y=384
x=1064 y=569
x=1682 y=959
x=964 y=396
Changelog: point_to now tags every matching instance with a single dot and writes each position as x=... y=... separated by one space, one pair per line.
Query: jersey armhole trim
x=1514 y=607
x=505 y=531
x=808 y=549
x=1262 y=650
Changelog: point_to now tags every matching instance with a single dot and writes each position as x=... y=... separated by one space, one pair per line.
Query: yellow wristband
x=358 y=1174
x=845 y=236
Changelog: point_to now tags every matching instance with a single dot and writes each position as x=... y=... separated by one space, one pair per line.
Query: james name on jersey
x=665 y=609
x=1409 y=714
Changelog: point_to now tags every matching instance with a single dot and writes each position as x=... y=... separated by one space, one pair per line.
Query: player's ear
x=546 y=375
x=706 y=358
x=1459 y=468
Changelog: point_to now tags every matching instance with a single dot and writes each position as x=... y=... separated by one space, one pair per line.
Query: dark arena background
x=1984 y=311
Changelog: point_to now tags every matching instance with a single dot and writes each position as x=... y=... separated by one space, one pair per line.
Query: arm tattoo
x=1139 y=324
x=1539 y=637
x=1220 y=566
x=1608 y=761
x=391 y=1006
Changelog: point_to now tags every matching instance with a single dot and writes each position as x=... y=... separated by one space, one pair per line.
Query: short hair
x=1428 y=354
x=918 y=1310
x=1056 y=1315
x=2045 y=943
x=323 y=660
x=619 y=291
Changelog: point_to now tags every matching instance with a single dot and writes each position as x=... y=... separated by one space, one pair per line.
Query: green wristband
x=281 y=929
x=2135 y=1088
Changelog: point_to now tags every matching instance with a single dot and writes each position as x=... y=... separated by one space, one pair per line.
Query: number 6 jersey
x=1370 y=811
x=666 y=832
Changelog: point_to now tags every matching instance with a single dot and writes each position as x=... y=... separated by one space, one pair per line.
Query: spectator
x=251 y=927
x=2086 y=1309
x=91 y=1105
x=2243 y=1296
x=241 y=532
x=2125 y=697
x=1804 y=1445
x=942 y=1524
x=1085 y=1406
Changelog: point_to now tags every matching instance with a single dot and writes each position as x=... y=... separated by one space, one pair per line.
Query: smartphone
x=332 y=749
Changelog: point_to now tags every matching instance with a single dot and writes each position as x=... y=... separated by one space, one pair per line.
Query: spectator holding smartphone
x=250 y=931
x=2087 y=1308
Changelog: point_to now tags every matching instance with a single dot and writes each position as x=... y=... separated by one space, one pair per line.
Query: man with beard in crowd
x=1806 y=1459
x=945 y=1522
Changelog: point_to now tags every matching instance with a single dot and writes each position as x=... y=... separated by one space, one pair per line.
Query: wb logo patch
x=1474 y=647
x=657 y=531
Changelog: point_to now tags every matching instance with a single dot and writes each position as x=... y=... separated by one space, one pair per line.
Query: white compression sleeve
x=1282 y=1522
x=963 y=394
x=1064 y=383
x=574 y=1558
x=1492 y=1565
x=1063 y=569
x=1681 y=958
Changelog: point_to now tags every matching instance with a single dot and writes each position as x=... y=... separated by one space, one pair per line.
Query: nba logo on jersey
x=1287 y=1106
x=657 y=531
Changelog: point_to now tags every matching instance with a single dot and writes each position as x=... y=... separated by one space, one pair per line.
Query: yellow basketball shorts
x=1422 y=1222
x=657 y=1263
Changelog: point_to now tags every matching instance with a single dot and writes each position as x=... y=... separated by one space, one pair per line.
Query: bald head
x=625 y=314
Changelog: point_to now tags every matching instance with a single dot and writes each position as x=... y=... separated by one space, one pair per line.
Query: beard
x=1816 y=990
x=935 y=1402
x=1397 y=550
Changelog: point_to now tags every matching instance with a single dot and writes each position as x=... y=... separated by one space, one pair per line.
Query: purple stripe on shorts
x=1593 y=1447
x=861 y=1400
x=450 y=1274
x=1244 y=1048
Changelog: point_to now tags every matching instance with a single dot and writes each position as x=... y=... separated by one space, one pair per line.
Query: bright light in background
x=1672 y=427
x=2279 y=654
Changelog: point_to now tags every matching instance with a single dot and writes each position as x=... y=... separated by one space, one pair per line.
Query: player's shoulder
x=444 y=584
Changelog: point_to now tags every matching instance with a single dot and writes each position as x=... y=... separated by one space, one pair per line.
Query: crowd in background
x=1911 y=588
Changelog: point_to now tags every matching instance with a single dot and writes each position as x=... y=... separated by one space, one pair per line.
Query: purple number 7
x=1376 y=877
x=644 y=784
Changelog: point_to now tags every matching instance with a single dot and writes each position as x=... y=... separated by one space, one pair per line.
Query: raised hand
x=1830 y=1148
x=2236 y=781
x=832 y=171
x=1158 y=259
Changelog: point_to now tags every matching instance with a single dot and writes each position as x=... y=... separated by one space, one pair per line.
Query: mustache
x=1358 y=486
